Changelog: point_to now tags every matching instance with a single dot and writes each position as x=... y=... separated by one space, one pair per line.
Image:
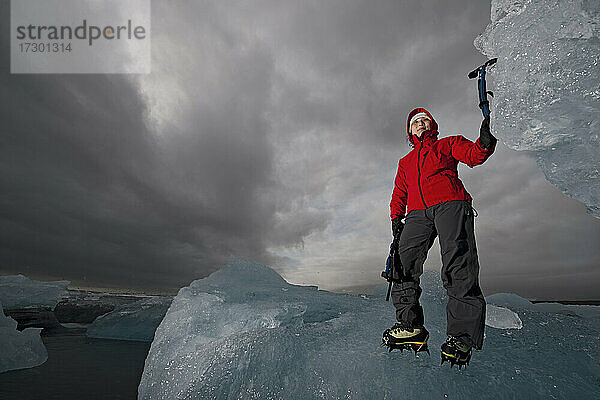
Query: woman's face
x=419 y=126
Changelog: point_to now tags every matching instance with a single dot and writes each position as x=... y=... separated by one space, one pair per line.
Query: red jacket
x=428 y=175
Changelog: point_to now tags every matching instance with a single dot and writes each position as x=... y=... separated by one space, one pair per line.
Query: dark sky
x=269 y=130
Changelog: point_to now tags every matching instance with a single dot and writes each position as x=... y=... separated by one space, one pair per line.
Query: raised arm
x=476 y=153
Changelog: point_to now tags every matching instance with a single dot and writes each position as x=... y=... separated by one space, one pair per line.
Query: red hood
x=434 y=127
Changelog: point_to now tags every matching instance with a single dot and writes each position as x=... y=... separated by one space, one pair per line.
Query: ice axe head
x=476 y=71
x=484 y=104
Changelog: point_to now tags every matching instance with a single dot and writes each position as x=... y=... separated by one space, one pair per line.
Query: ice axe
x=484 y=104
x=393 y=266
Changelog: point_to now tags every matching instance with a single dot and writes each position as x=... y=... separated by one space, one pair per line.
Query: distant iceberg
x=547 y=88
x=508 y=300
x=18 y=291
x=514 y=301
x=19 y=349
x=244 y=332
x=134 y=321
x=583 y=311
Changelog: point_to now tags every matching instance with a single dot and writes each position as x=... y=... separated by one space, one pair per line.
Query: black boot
x=456 y=351
x=401 y=336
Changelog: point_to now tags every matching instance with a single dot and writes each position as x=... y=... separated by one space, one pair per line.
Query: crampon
x=416 y=347
x=455 y=352
x=416 y=343
x=460 y=362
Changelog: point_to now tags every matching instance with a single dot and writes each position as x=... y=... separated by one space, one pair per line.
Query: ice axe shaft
x=484 y=104
x=390 y=266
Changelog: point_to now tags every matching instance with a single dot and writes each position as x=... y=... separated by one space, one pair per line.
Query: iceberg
x=19 y=349
x=514 y=301
x=133 y=321
x=18 y=291
x=244 y=332
x=583 y=311
x=502 y=318
x=547 y=88
x=80 y=306
x=508 y=300
x=30 y=302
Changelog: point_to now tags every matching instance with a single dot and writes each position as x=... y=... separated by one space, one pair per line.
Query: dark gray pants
x=453 y=223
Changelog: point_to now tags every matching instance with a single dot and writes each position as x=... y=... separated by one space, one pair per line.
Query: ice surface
x=502 y=318
x=245 y=333
x=18 y=291
x=19 y=349
x=547 y=88
x=134 y=321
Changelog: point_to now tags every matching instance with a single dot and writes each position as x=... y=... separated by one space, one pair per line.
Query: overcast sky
x=269 y=130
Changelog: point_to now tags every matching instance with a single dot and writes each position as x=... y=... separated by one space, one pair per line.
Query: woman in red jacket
x=432 y=200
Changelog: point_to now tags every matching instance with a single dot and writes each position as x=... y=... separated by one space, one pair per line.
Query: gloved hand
x=486 y=138
x=397 y=226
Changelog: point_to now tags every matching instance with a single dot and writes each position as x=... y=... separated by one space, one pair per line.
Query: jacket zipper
x=419 y=172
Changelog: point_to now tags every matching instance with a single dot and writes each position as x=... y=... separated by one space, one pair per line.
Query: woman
x=428 y=191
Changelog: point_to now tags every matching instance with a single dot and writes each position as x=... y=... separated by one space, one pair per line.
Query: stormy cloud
x=268 y=130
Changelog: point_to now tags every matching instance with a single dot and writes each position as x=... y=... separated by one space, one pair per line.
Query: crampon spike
x=461 y=364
